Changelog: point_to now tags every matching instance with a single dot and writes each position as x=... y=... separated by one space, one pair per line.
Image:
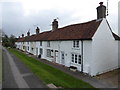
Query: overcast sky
x=19 y=16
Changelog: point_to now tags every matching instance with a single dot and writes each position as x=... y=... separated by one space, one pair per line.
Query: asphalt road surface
x=17 y=75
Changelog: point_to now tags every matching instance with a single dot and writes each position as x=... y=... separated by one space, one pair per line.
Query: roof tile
x=80 y=31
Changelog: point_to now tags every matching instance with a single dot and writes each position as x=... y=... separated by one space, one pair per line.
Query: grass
x=49 y=74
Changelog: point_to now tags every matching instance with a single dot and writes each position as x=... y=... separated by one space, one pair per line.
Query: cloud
x=19 y=17
x=15 y=22
x=12 y=17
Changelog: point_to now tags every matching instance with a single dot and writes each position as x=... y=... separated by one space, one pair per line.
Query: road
x=17 y=75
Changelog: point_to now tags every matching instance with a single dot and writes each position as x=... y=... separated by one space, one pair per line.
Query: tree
x=5 y=41
x=8 y=41
x=12 y=41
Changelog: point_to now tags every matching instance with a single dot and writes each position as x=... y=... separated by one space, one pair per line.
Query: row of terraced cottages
x=91 y=47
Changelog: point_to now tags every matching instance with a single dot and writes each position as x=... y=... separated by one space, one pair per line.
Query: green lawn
x=49 y=74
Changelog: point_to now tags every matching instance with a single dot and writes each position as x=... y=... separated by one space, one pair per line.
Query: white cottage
x=91 y=47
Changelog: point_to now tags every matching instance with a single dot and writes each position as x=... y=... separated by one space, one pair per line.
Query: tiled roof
x=21 y=39
x=82 y=31
x=116 y=36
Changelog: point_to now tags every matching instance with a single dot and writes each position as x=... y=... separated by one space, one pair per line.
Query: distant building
x=91 y=47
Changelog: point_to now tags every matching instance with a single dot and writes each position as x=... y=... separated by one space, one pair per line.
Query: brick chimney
x=22 y=35
x=54 y=25
x=37 y=30
x=28 y=33
x=101 y=11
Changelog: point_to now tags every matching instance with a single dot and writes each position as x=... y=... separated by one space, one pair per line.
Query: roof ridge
x=84 y=31
x=78 y=23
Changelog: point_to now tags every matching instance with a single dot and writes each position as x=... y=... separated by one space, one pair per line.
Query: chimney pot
x=28 y=33
x=101 y=11
x=101 y=3
x=37 y=30
x=54 y=24
x=22 y=35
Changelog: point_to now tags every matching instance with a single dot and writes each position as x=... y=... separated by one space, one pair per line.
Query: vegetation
x=49 y=74
x=9 y=41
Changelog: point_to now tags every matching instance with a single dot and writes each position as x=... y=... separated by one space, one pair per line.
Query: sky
x=119 y=18
x=19 y=16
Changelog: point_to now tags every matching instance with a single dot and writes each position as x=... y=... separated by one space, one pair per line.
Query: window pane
x=73 y=43
x=75 y=58
x=41 y=51
x=79 y=60
x=48 y=44
x=48 y=53
x=72 y=57
x=62 y=56
x=40 y=43
x=77 y=44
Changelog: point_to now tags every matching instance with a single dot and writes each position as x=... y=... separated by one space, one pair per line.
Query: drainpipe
x=81 y=55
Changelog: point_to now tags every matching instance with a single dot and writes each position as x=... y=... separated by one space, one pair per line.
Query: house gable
x=103 y=31
x=104 y=50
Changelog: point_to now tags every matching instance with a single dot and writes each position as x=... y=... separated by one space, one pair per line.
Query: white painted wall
x=99 y=54
x=54 y=45
x=119 y=54
x=17 y=45
x=62 y=46
x=87 y=56
x=28 y=45
x=67 y=48
x=104 y=50
x=33 y=45
x=119 y=32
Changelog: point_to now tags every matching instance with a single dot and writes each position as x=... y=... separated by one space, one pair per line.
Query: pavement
x=17 y=75
x=0 y=86
x=111 y=77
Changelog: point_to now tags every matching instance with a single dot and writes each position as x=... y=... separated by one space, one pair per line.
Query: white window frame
x=76 y=44
x=41 y=51
x=48 y=43
x=28 y=48
x=79 y=59
x=40 y=43
x=76 y=58
x=48 y=52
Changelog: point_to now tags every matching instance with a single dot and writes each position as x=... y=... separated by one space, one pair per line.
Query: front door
x=56 y=55
x=62 y=58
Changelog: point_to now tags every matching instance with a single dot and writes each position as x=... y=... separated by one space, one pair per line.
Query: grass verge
x=49 y=74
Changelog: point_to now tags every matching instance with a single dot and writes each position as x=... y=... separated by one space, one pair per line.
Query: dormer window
x=76 y=44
